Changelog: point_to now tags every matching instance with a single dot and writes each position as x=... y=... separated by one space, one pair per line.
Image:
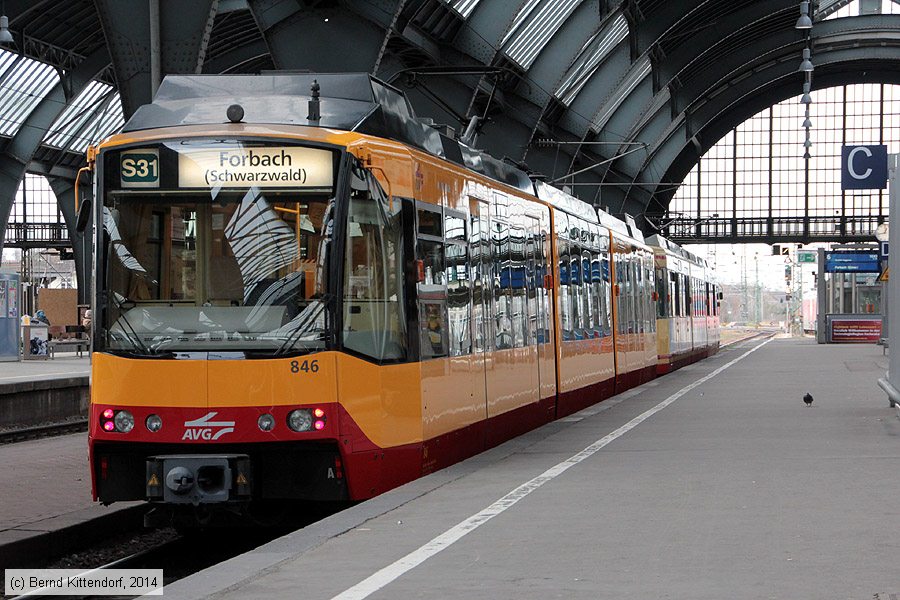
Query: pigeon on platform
x=808 y=399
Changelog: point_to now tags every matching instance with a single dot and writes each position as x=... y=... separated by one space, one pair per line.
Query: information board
x=852 y=262
x=853 y=329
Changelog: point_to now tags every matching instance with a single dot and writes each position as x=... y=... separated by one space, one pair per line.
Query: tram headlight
x=124 y=421
x=266 y=422
x=153 y=423
x=300 y=419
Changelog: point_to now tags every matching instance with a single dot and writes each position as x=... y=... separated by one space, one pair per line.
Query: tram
x=317 y=297
x=687 y=306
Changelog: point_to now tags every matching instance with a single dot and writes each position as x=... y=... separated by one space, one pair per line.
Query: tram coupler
x=198 y=479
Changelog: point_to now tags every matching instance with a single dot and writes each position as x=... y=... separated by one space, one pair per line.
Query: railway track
x=21 y=434
x=177 y=554
x=178 y=557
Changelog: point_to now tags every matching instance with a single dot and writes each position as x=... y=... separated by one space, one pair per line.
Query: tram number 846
x=307 y=366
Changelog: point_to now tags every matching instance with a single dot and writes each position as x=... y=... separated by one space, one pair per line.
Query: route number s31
x=140 y=168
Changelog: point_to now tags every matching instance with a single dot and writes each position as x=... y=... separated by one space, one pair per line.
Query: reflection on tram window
x=480 y=277
x=430 y=222
x=432 y=255
x=432 y=293
x=516 y=286
x=454 y=228
x=503 y=318
x=458 y=306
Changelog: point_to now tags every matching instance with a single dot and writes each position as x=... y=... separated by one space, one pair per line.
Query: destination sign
x=265 y=167
x=852 y=262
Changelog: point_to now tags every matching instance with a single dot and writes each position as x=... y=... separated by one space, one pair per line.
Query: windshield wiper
x=305 y=320
x=133 y=336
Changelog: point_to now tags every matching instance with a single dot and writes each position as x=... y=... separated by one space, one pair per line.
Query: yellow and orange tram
x=324 y=308
x=687 y=306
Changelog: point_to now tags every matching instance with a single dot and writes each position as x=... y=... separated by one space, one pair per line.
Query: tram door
x=480 y=253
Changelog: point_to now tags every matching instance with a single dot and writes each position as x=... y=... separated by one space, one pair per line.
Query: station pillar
x=890 y=383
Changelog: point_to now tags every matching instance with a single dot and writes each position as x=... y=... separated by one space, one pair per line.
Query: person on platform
x=86 y=321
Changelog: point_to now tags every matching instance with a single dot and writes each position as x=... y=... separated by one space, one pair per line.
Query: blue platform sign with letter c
x=864 y=167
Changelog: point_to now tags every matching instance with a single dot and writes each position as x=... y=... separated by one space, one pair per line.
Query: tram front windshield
x=216 y=245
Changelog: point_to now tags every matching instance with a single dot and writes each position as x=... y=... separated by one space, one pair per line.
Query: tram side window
x=662 y=298
x=374 y=320
x=622 y=283
x=597 y=291
x=564 y=299
x=517 y=283
x=457 y=277
x=576 y=289
x=589 y=311
x=639 y=294
x=674 y=296
x=629 y=298
x=542 y=335
x=480 y=276
x=698 y=291
x=432 y=292
x=650 y=270
x=503 y=325
x=533 y=280
x=605 y=297
x=649 y=304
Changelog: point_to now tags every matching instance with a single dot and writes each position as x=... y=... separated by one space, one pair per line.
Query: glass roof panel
x=23 y=84
x=836 y=9
x=592 y=55
x=464 y=7
x=80 y=123
x=105 y=122
x=533 y=27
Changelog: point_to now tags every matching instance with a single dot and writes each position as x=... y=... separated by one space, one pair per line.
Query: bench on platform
x=72 y=337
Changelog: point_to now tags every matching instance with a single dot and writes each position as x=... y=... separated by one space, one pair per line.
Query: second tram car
x=325 y=308
x=687 y=307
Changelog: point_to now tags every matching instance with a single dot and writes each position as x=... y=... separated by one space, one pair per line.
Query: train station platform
x=715 y=481
x=47 y=506
x=36 y=392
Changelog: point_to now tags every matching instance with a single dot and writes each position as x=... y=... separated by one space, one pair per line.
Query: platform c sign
x=864 y=167
x=850 y=159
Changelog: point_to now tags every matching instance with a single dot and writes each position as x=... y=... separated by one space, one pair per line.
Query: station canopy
x=626 y=94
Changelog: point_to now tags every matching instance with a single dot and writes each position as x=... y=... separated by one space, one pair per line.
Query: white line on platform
x=39 y=375
x=390 y=573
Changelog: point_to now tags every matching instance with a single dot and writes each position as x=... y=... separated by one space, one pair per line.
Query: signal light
x=120 y=421
x=319 y=413
x=319 y=425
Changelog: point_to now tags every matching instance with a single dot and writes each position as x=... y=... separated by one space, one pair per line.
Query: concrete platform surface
x=691 y=487
x=65 y=365
x=45 y=487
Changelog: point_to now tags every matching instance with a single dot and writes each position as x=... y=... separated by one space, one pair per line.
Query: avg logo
x=205 y=428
